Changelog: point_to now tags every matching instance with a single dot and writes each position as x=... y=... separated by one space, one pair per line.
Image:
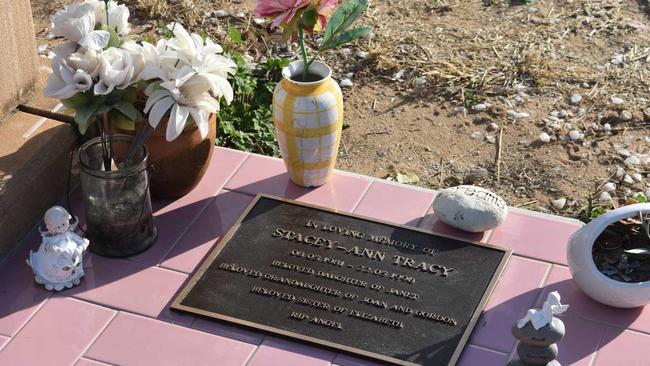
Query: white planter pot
x=589 y=279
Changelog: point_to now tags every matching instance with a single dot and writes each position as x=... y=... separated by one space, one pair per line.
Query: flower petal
x=202 y=121
x=95 y=40
x=154 y=97
x=176 y=123
x=159 y=109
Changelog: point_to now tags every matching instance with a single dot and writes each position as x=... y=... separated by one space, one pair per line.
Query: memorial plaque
x=392 y=293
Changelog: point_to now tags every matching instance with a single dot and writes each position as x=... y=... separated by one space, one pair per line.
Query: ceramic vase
x=587 y=276
x=308 y=119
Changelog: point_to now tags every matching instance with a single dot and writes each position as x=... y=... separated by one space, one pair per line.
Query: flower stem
x=301 y=42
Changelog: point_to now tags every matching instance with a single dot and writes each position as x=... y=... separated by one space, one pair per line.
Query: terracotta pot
x=178 y=166
x=308 y=118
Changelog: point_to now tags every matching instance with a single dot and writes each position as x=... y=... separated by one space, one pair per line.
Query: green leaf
x=344 y=38
x=597 y=211
x=127 y=109
x=344 y=16
x=407 y=178
x=119 y=120
x=75 y=102
x=234 y=35
x=83 y=115
x=640 y=198
x=114 y=40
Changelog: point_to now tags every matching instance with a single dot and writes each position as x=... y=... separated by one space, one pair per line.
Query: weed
x=247 y=123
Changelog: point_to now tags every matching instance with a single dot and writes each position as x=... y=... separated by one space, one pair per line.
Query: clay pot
x=178 y=166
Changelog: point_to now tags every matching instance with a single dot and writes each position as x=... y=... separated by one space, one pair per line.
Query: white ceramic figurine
x=58 y=263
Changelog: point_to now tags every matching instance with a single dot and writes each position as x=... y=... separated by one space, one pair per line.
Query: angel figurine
x=58 y=263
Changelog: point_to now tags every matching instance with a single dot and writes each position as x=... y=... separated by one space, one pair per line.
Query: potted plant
x=307 y=103
x=109 y=79
x=609 y=258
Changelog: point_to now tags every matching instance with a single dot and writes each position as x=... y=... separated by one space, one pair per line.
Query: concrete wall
x=18 y=58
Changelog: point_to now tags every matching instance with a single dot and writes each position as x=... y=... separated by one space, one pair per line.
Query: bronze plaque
x=391 y=293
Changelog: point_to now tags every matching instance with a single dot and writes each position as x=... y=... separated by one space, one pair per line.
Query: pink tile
x=228 y=331
x=20 y=296
x=134 y=340
x=430 y=222
x=88 y=362
x=130 y=286
x=535 y=236
x=583 y=307
x=580 y=342
x=3 y=340
x=346 y=360
x=220 y=214
x=260 y=174
x=57 y=334
x=396 y=203
x=173 y=218
x=516 y=292
x=623 y=348
x=278 y=352
x=474 y=356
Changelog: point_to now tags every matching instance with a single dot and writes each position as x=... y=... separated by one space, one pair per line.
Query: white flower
x=76 y=23
x=118 y=15
x=64 y=82
x=118 y=18
x=212 y=72
x=116 y=71
x=87 y=62
x=184 y=99
x=189 y=45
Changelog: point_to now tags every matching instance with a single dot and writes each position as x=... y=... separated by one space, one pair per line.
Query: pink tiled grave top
x=119 y=314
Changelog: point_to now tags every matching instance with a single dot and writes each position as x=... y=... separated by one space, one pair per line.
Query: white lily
x=189 y=45
x=64 y=82
x=76 y=23
x=185 y=99
x=116 y=71
x=212 y=71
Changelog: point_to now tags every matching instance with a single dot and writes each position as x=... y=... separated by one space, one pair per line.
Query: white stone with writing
x=470 y=208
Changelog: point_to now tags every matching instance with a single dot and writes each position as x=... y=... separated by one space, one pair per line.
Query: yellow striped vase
x=308 y=117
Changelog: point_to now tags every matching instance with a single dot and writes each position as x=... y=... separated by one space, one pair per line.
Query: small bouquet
x=101 y=71
x=299 y=16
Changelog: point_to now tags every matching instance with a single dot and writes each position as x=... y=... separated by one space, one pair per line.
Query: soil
x=622 y=252
x=447 y=92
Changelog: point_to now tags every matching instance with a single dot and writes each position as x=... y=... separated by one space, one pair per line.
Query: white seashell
x=637 y=177
x=627 y=179
x=362 y=55
x=518 y=115
x=632 y=161
x=544 y=137
x=609 y=187
x=345 y=83
x=576 y=99
x=604 y=197
x=220 y=13
x=475 y=135
x=480 y=107
x=493 y=127
x=607 y=127
x=617 y=59
x=616 y=100
x=575 y=135
x=559 y=203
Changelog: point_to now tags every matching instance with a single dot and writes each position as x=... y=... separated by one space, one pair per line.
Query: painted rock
x=535 y=355
x=470 y=208
x=544 y=336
